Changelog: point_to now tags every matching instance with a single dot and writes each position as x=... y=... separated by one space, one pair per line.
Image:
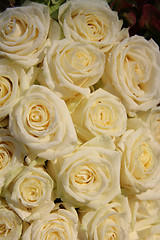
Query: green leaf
x=55 y=1
x=54 y=7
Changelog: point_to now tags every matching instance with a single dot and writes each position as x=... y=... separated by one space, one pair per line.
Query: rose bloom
x=154 y=123
x=145 y=219
x=105 y=223
x=14 y=80
x=11 y=156
x=9 y=87
x=94 y=23
x=59 y=224
x=72 y=67
x=30 y=194
x=132 y=73
x=101 y=113
x=140 y=159
x=42 y=122
x=10 y=224
x=24 y=33
x=151 y=119
x=89 y=177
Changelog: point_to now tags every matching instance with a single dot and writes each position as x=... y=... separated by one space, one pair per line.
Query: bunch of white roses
x=79 y=125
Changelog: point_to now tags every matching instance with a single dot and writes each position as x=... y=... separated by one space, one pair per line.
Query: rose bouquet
x=80 y=124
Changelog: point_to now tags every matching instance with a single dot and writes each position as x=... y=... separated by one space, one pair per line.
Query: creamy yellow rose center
x=142 y=159
x=146 y=157
x=77 y=63
x=15 y=28
x=94 y=26
x=38 y=117
x=101 y=116
x=85 y=174
x=135 y=71
x=4 y=228
x=110 y=228
x=82 y=59
x=5 y=89
x=111 y=236
x=78 y=59
x=5 y=155
x=55 y=229
x=31 y=190
x=89 y=178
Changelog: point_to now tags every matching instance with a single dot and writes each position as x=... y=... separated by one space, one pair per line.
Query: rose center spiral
x=5 y=156
x=38 y=117
x=5 y=89
x=146 y=157
x=31 y=191
x=14 y=28
x=101 y=115
x=85 y=175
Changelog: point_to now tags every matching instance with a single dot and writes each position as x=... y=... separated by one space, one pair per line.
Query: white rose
x=140 y=159
x=72 y=67
x=90 y=22
x=89 y=177
x=42 y=122
x=9 y=87
x=104 y=223
x=60 y=224
x=13 y=81
x=145 y=220
x=11 y=156
x=24 y=33
x=151 y=119
x=10 y=225
x=132 y=72
x=101 y=113
x=30 y=194
x=154 y=123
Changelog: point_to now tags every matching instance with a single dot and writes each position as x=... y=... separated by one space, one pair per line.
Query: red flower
x=150 y=18
x=130 y=17
x=141 y=16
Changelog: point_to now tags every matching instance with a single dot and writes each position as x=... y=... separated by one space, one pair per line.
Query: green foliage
x=53 y=6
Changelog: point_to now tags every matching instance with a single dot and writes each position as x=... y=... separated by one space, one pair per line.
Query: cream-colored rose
x=11 y=156
x=140 y=159
x=14 y=80
x=9 y=87
x=105 y=223
x=11 y=76
x=145 y=219
x=154 y=123
x=101 y=113
x=90 y=22
x=89 y=177
x=31 y=194
x=71 y=67
x=10 y=224
x=132 y=73
x=59 y=224
x=42 y=122
x=151 y=119
x=24 y=33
